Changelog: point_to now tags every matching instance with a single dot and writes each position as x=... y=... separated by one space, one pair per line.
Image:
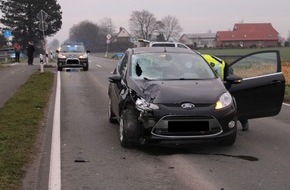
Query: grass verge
x=20 y=121
x=287 y=94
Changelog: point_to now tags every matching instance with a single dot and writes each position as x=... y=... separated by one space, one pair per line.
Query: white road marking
x=54 y=182
x=98 y=65
x=286 y=104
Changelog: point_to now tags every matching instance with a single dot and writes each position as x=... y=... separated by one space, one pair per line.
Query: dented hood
x=179 y=91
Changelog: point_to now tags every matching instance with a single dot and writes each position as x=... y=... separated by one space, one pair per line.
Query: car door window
x=261 y=92
x=123 y=65
x=256 y=65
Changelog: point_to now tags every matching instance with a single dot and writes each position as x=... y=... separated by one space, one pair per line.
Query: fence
x=5 y=54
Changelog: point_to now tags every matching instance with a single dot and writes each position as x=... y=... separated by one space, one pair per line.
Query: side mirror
x=115 y=78
x=233 y=79
x=57 y=51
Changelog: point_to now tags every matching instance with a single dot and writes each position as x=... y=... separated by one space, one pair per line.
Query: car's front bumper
x=72 y=62
x=190 y=125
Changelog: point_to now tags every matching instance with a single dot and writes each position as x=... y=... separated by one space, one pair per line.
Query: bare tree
x=106 y=26
x=85 y=32
x=171 y=27
x=54 y=44
x=142 y=24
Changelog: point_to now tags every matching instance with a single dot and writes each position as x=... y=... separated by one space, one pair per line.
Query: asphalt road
x=92 y=158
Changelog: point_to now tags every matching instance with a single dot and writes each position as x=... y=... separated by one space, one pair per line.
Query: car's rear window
x=170 y=66
x=163 y=45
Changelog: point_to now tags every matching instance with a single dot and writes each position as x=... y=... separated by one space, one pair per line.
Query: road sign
x=109 y=37
x=108 y=41
x=43 y=26
x=7 y=33
x=42 y=15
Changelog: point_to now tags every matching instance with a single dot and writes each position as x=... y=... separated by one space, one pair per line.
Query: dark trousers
x=17 y=56
x=30 y=59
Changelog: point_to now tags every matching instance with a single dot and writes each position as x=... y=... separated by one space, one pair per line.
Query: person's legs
x=29 y=60
x=17 y=55
x=245 y=124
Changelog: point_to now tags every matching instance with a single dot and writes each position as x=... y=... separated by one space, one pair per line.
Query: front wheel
x=130 y=128
x=112 y=116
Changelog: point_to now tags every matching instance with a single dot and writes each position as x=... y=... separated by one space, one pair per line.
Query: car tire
x=130 y=128
x=59 y=68
x=231 y=139
x=112 y=116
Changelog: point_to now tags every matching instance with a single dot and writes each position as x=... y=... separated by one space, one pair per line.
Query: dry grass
x=286 y=71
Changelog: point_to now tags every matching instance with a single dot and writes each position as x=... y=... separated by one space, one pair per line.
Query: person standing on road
x=17 y=49
x=30 y=52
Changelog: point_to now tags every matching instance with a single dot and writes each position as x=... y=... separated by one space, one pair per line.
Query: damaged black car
x=159 y=94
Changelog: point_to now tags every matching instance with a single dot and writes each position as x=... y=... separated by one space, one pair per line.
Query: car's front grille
x=184 y=127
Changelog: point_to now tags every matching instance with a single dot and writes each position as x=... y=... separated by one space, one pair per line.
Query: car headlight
x=224 y=101
x=143 y=105
x=60 y=56
x=83 y=56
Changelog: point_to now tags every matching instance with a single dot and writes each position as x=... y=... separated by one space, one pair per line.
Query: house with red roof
x=248 y=35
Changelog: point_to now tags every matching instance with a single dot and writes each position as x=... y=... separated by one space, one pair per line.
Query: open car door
x=261 y=92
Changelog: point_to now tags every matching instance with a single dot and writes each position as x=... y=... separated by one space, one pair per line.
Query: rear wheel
x=130 y=129
x=59 y=68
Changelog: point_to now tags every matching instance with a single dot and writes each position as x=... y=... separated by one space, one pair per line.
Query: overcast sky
x=194 y=16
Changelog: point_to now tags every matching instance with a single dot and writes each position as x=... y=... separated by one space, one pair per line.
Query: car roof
x=168 y=43
x=161 y=49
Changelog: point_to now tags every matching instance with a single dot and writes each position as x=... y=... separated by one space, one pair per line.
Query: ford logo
x=187 y=105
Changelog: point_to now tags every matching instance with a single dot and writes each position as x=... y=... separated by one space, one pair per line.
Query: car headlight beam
x=60 y=56
x=143 y=105
x=83 y=56
x=224 y=101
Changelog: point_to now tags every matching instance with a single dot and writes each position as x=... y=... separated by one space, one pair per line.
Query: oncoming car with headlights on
x=72 y=55
x=169 y=94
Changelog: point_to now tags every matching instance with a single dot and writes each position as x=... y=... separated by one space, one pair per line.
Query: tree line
x=21 y=18
x=142 y=24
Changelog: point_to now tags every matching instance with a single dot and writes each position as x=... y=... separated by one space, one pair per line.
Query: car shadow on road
x=209 y=149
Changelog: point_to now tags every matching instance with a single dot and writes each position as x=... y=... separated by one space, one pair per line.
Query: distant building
x=199 y=40
x=248 y=35
x=121 y=41
x=121 y=36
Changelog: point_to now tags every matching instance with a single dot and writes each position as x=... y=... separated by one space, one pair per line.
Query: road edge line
x=286 y=104
x=54 y=182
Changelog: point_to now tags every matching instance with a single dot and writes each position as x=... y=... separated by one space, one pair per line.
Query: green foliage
x=21 y=17
x=20 y=119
